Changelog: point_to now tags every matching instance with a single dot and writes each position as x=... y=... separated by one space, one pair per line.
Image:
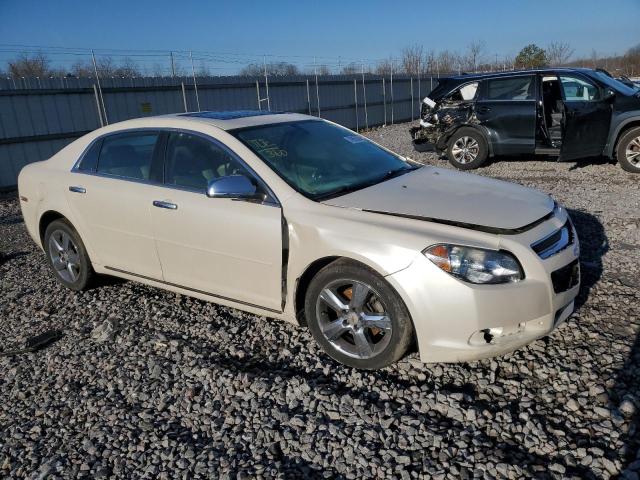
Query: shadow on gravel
x=593 y=245
x=586 y=162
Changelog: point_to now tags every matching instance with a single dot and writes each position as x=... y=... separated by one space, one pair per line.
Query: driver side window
x=579 y=90
x=193 y=161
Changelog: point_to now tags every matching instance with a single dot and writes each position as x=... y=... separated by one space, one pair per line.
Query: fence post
x=308 y=97
x=411 y=98
x=355 y=98
x=315 y=69
x=173 y=66
x=95 y=68
x=364 y=97
x=266 y=81
x=195 y=84
x=391 y=91
x=184 y=97
x=95 y=93
x=258 y=95
x=384 y=100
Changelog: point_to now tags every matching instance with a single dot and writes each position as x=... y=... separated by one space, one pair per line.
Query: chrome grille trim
x=555 y=242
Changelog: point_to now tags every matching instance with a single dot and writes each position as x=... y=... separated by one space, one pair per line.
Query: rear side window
x=515 y=88
x=578 y=90
x=193 y=161
x=128 y=155
x=89 y=161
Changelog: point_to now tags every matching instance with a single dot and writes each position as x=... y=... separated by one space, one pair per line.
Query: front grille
x=554 y=243
x=566 y=277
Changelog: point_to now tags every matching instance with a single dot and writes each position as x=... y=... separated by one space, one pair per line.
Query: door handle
x=484 y=109
x=77 y=189
x=163 y=204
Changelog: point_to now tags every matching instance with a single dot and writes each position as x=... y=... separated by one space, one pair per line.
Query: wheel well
x=625 y=129
x=45 y=221
x=477 y=128
x=302 y=284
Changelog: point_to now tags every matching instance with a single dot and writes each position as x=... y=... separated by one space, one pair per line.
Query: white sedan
x=296 y=218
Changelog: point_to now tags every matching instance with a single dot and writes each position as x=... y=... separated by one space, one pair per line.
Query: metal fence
x=40 y=116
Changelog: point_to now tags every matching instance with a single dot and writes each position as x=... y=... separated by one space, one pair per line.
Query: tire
x=628 y=145
x=476 y=153
x=67 y=256
x=370 y=334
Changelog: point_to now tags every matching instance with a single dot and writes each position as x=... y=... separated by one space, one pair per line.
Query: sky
x=329 y=29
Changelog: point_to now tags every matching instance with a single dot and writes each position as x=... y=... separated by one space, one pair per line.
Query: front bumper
x=456 y=321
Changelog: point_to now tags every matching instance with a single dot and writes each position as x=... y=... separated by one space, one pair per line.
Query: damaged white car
x=293 y=217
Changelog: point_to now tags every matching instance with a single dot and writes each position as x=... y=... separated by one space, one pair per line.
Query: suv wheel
x=67 y=255
x=467 y=149
x=357 y=317
x=628 y=152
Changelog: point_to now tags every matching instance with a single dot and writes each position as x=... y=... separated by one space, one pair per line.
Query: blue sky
x=328 y=28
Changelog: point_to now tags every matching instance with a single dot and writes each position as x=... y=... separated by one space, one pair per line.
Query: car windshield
x=319 y=159
x=615 y=84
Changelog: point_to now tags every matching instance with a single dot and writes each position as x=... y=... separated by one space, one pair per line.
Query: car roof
x=472 y=76
x=233 y=119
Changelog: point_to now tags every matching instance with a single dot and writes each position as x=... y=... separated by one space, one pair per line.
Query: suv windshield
x=613 y=83
x=319 y=159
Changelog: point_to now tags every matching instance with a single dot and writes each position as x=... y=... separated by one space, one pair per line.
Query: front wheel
x=357 y=317
x=628 y=152
x=467 y=149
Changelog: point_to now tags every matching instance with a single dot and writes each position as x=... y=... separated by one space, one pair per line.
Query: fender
x=620 y=122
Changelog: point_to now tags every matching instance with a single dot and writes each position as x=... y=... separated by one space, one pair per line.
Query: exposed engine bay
x=437 y=118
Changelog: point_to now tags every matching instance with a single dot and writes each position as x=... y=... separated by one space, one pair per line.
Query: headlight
x=475 y=265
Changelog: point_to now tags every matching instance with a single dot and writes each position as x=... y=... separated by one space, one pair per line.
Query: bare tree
x=36 y=65
x=351 y=69
x=412 y=60
x=558 y=53
x=385 y=67
x=475 y=54
x=276 y=69
x=324 y=70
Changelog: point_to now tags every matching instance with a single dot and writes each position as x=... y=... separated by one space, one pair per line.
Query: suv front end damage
x=443 y=113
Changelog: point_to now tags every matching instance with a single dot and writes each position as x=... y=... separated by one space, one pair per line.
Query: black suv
x=569 y=112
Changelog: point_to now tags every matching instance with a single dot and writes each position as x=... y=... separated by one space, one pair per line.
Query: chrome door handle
x=167 y=205
x=76 y=189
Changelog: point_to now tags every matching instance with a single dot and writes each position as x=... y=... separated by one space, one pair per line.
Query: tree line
x=413 y=60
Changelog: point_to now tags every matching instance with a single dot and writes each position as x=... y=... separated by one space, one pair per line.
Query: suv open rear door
x=587 y=116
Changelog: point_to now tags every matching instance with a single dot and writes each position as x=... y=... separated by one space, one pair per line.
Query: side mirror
x=609 y=94
x=232 y=186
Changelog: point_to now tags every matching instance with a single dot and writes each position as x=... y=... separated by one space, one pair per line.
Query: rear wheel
x=67 y=256
x=356 y=317
x=628 y=152
x=467 y=149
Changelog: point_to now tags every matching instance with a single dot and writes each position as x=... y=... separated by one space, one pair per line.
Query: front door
x=507 y=108
x=587 y=117
x=110 y=194
x=227 y=248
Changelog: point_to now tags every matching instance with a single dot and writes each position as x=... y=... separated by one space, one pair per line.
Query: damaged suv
x=571 y=113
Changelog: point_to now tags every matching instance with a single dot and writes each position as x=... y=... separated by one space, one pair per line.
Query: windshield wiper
x=352 y=188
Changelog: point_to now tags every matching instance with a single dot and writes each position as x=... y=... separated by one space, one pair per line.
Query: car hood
x=455 y=198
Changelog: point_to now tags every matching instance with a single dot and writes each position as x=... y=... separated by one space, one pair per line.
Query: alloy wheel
x=64 y=255
x=632 y=152
x=465 y=149
x=353 y=319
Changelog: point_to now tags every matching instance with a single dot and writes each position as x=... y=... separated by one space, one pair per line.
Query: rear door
x=507 y=108
x=110 y=193
x=586 y=120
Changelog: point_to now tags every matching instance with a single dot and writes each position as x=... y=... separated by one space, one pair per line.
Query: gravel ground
x=146 y=383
